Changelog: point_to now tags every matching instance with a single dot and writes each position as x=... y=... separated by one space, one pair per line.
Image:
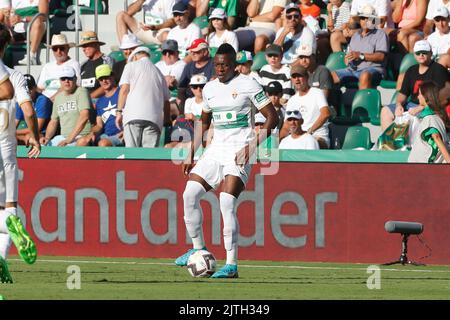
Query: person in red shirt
x=308 y=8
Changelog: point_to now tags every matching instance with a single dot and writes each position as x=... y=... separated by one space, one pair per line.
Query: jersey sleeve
x=4 y=74
x=21 y=90
x=206 y=107
x=257 y=95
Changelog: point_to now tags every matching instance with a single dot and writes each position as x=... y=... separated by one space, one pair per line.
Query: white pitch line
x=241 y=265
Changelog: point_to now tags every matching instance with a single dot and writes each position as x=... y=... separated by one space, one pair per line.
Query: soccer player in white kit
x=228 y=102
x=11 y=228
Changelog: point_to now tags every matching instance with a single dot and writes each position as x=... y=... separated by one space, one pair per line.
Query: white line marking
x=240 y=265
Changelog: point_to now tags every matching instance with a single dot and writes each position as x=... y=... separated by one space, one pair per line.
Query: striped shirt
x=340 y=15
x=283 y=76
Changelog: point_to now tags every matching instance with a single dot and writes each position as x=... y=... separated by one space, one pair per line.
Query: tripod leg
x=391 y=263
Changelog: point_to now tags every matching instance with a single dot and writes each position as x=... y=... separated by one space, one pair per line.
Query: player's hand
x=187 y=167
x=35 y=148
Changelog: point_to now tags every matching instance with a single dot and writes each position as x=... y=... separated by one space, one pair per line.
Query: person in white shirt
x=298 y=138
x=312 y=105
x=229 y=101
x=48 y=82
x=440 y=39
x=193 y=106
x=158 y=20
x=185 y=32
x=244 y=61
x=219 y=31
x=13 y=88
x=170 y=65
x=143 y=100
x=433 y=5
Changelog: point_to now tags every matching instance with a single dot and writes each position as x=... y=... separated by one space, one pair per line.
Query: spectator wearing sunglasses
x=294 y=34
x=298 y=139
x=72 y=111
x=433 y=5
x=313 y=107
x=194 y=106
x=440 y=39
x=275 y=71
x=170 y=65
x=407 y=99
x=48 y=81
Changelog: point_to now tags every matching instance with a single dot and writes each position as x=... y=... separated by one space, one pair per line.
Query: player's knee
x=192 y=193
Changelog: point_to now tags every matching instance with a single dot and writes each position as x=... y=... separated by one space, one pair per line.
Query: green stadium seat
x=336 y=61
x=91 y=8
x=407 y=61
x=155 y=56
x=357 y=137
x=394 y=97
x=152 y=46
x=212 y=51
x=202 y=22
x=366 y=106
x=117 y=55
x=259 y=60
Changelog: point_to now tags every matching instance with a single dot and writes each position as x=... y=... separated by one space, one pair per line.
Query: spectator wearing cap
x=366 y=54
x=275 y=71
x=409 y=15
x=244 y=62
x=105 y=133
x=48 y=81
x=433 y=6
x=313 y=106
x=293 y=34
x=158 y=20
x=201 y=64
x=274 y=91
x=230 y=7
x=185 y=31
x=440 y=39
x=263 y=16
x=22 y=11
x=127 y=45
x=91 y=49
x=41 y=105
x=298 y=139
x=383 y=9
x=193 y=106
x=407 y=99
x=143 y=107
x=219 y=31
x=72 y=111
x=170 y=65
x=319 y=75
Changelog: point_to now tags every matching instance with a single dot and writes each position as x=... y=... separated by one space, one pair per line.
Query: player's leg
x=9 y=181
x=233 y=186
x=196 y=187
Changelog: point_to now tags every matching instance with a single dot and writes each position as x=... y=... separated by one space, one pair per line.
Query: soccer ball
x=201 y=264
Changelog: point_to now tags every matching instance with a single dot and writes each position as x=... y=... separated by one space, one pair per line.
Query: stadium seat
x=366 y=106
x=117 y=55
x=357 y=137
x=152 y=46
x=336 y=61
x=155 y=56
x=407 y=61
x=394 y=97
x=212 y=51
x=91 y=8
x=259 y=60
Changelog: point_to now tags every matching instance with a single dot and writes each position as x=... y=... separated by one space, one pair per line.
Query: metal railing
x=47 y=56
x=125 y=5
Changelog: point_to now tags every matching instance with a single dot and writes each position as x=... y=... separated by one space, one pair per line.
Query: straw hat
x=60 y=40
x=88 y=37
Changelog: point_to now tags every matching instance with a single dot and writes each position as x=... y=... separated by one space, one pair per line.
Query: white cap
x=422 y=45
x=259 y=118
x=129 y=41
x=293 y=112
x=198 y=79
x=218 y=13
x=441 y=12
x=304 y=50
x=137 y=50
x=368 y=11
x=67 y=72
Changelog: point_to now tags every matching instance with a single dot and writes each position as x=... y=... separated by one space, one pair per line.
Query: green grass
x=114 y=278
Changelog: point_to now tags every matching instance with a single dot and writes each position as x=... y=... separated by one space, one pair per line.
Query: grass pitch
x=159 y=279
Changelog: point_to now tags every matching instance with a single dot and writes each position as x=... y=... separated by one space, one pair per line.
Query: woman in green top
x=431 y=144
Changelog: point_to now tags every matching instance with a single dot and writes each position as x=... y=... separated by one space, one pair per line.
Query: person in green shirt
x=72 y=112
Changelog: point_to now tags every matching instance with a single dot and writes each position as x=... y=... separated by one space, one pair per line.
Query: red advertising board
x=330 y=212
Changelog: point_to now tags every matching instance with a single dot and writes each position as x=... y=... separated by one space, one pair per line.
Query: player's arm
x=271 y=123
x=6 y=90
x=31 y=119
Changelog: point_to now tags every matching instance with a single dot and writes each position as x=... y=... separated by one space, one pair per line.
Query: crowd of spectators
x=293 y=39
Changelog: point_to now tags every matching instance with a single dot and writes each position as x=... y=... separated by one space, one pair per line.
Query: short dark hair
x=227 y=49
x=5 y=37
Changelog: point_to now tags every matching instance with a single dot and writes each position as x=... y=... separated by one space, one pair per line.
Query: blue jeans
x=350 y=75
x=406 y=107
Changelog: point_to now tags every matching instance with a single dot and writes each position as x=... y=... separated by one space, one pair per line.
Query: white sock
x=193 y=215
x=230 y=226
x=4 y=214
x=5 y=244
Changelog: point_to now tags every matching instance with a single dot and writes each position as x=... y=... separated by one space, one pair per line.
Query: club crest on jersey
x=234 y=94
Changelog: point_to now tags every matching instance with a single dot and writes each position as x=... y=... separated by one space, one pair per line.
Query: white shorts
x=150 y=36
x=213 y=172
